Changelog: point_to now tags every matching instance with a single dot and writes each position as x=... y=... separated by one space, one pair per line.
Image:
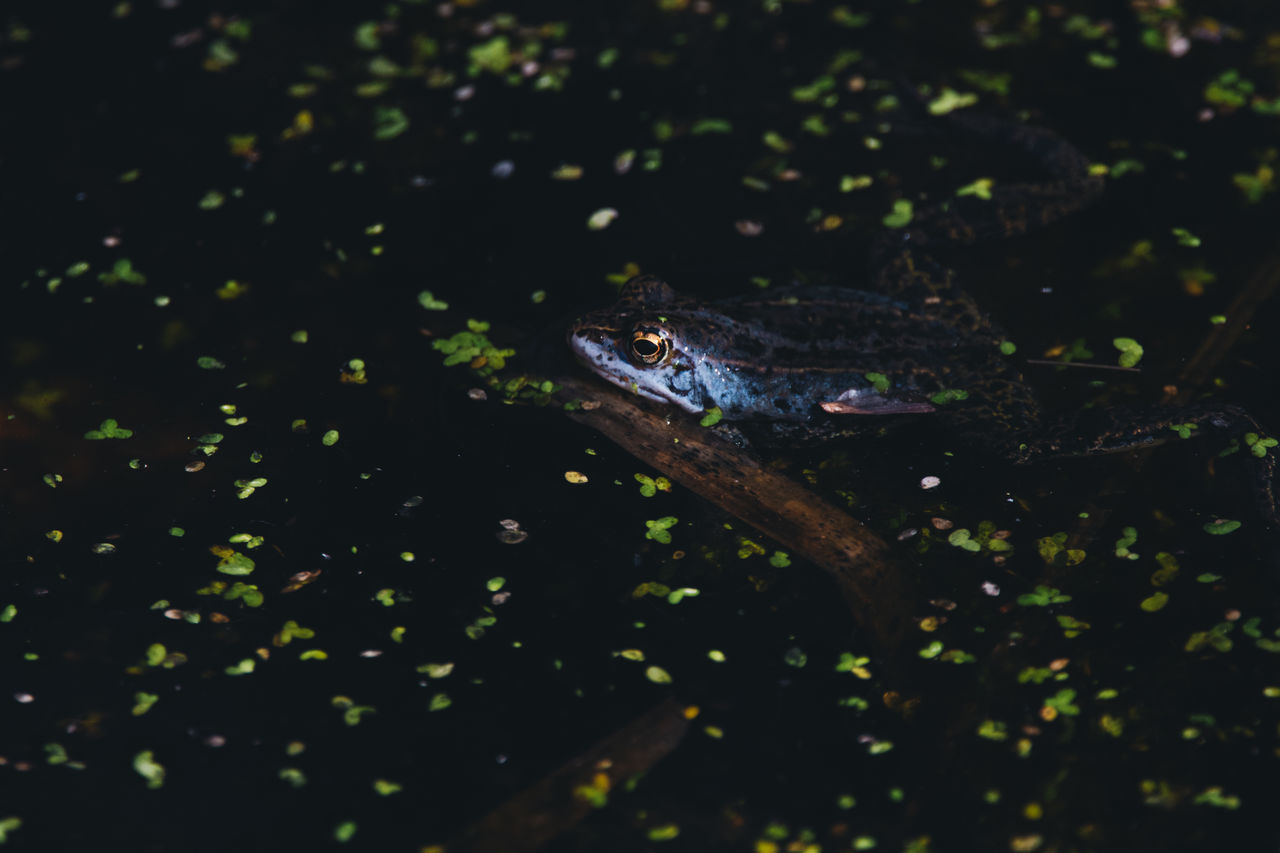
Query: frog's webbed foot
x=1118 y=430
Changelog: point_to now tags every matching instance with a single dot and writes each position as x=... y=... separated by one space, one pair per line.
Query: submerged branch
x=552 y=806
x=875 y=587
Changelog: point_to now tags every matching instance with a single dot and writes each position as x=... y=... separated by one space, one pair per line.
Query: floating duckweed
x=1214 y=797
x=389 y=122
x=857 y=665
x=1042 y=596
x=351 y=712
x=232 y=562
x=949 y=395
x=849 y=183
x=1130 y=351
x=245 y=488
x=1221 y=526
x=330 y=438
x=212 y=200
x=435 y=670
x=602 y=218
x=796 y=657
x=244 y=667
x=949 y=100
x=1071 y=626
x=109 y=428
x=666 y=832
x=208 y=362
x=1129 y=537
x=1061 y=702
x=1053 y=550
x=1155 y=601
x=1259 y=445
x=963 y=539
x=879 y=381
x=1215 y=638
x=901 y=215
x=439 y=702
x=650 y=486
x=657 y=675
x=142 y=702
x=981 y=188
x=1168 y=570
x=148 y=768
x=678 y=595
x=7 y=614
x=56 y=753
x=993 y=730
x=712 y=417
x=659 y=529
x=291 y=631
x=293 y=776
x=710 y=125
x=345 y=831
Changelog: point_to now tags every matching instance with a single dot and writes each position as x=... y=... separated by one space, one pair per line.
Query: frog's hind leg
x=1118 y=430
x=901 y=256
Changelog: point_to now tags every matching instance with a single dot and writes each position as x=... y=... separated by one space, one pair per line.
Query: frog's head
x=637 y=346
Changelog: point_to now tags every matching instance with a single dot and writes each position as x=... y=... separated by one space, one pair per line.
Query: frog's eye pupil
x=648 y=347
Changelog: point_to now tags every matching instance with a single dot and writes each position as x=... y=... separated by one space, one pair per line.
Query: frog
x=788 y=357
x=807 y=364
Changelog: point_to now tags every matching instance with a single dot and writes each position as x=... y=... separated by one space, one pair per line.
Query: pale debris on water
x=930 y=482
x=602 y=218
x=511 y=532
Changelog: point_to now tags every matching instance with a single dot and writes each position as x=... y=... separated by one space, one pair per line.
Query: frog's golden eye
x=648 y=347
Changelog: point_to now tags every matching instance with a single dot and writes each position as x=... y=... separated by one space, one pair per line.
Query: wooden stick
x=555 y=804
x=874 y=585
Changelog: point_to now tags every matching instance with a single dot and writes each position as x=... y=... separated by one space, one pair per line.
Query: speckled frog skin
x=788 y=355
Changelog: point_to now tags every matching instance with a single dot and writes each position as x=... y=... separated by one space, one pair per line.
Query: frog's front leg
x=1117 y=430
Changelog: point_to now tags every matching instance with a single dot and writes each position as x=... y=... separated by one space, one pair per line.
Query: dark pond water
x=279 y=613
